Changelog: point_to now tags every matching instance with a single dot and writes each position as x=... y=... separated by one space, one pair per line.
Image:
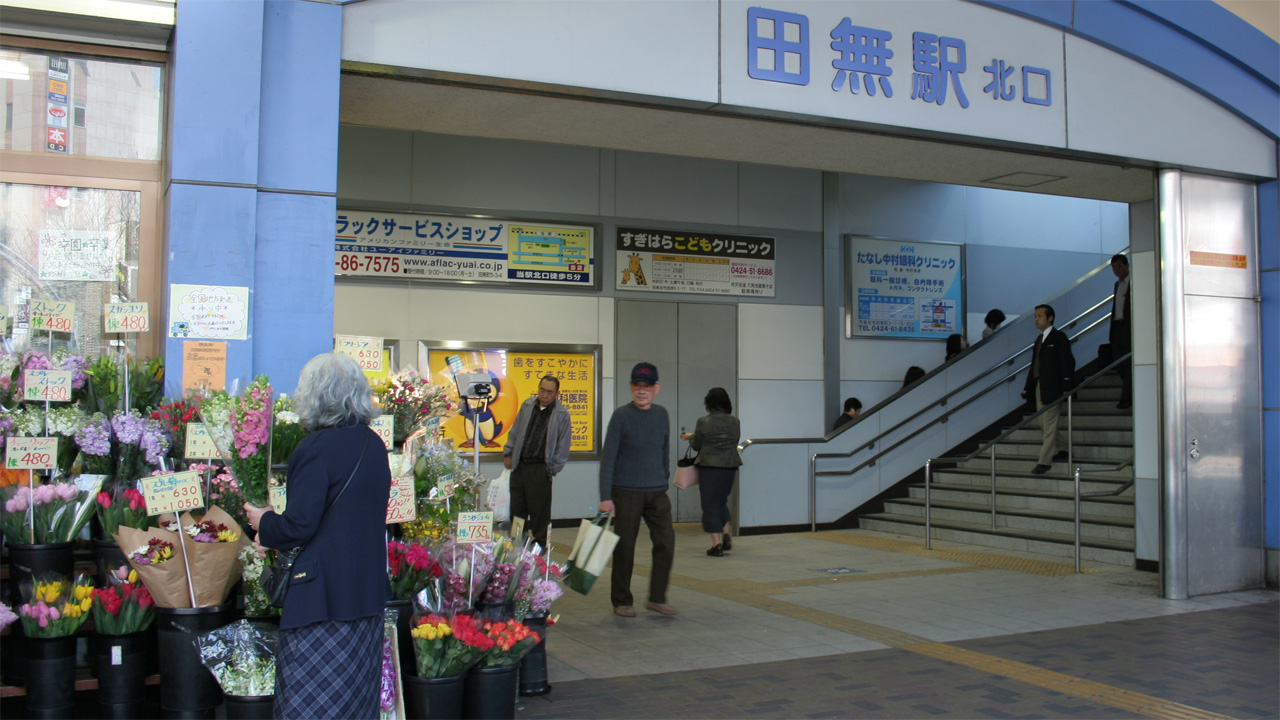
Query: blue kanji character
x=419 y=226
x=1027 y=96
x=862 y=50
x=343 y=224
x=1000 y=87
x=934 y=69
x=389 y=226
x=435 y=230
x=771 y=54
x=454 y=231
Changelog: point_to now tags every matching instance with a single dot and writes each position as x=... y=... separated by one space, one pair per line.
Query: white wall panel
x=777 y=197
x=667 y=49
x=670 y=188
x=780 y=408
x=1027 y=220
x=887 y=359
x=374 y=164
x=1146 y=423
x=780 y=342
x=1142 y=276
x=907 y=209
x=1119 y=107
x=605 y=333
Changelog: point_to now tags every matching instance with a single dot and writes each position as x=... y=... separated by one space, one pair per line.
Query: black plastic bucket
x=249 y=707
x=28 y=561
x=51 y=676
x=490 y=693
x=404 y=623
x=109 y=556
x=533 y=666
x=120 y=663
x=187 y=688
x=433 y=698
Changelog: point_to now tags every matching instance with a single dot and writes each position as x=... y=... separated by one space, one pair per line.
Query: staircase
x=1035 y=513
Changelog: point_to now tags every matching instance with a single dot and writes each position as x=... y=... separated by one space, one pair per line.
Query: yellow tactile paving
x=969 y=557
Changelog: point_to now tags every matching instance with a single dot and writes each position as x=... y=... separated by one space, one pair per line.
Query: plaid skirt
x=329 y=670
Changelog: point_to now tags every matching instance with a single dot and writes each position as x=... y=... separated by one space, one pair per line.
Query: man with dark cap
x=634 y=472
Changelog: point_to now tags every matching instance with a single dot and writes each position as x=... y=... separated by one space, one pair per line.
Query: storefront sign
x=443 y=247
x=516 y=375
x=59 y=68
x=57 y=115
x=51 y=315
x=204 y=366
x=199 y=443
x=904 y=289
x=1220 y=260
x=385 y=426
x=401 y=507
x=694 y=262
x=46 y=385
x=79 y=255
x=957 y=68
x=125 y=317
x=171 y=493
x=31 y=453
x=364 y=350
x=475 y=527
x=208 y=312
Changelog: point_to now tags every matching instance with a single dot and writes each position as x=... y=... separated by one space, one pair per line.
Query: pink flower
x=43 y=622
x=66 y=491
x=104 y=500
x=16 y=504
x=53 y=614
x=43 y=495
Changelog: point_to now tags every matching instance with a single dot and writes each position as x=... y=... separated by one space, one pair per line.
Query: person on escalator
x=1052 y=369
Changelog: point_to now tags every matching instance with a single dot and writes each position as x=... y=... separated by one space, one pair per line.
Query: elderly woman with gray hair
x=328 y=658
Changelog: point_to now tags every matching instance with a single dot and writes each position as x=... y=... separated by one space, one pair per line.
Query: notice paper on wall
x=204 y=366
x=208 y=312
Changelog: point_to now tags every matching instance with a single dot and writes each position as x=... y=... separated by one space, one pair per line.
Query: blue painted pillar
x=253 y=161
x=1269 y=265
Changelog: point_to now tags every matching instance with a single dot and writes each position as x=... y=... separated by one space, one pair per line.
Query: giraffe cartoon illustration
x=634 y=268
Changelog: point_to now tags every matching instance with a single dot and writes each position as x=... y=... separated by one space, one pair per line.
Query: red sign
x=57 y=139
x=57 y=112
x=1221 y=260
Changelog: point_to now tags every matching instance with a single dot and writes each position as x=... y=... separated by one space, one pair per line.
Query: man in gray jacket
x=536 y=451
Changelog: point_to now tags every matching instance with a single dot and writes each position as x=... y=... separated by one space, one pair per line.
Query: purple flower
x=76 y=364
x=94 y=437
x=128 y=427
x=154 y=441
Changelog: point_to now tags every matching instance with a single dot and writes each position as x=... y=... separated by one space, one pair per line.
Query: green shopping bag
x=591 y=551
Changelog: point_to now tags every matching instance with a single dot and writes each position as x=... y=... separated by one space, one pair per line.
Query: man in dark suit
x=1121 y=329
x=1052 y=368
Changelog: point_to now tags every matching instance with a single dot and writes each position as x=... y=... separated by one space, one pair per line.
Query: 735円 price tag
x=475 y=527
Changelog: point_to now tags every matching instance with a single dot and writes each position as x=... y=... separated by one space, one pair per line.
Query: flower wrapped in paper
x=410 y=568
x=210 y=546
x=242 y=657
x=543 y=587
x=49 y=513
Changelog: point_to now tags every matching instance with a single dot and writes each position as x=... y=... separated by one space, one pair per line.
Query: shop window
x=52 y=92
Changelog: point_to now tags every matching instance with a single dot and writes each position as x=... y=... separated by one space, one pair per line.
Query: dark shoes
x=1124 y=404
x=728 y=543
x=1041 y=469
x=716 y=551
x=1061 y=456
x=663 y=608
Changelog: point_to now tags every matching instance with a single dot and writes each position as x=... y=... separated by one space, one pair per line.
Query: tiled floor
x=862 y=624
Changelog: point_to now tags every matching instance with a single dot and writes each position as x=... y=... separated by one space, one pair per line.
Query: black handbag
x=275 y=577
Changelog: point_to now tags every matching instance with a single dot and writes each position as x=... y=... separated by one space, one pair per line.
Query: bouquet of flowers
x=12 y=380
x=414 y=401
x=213 y=548
x=390 y=704
x=410 y=568
x=250 y=430
x=256 y=602
x=173 y=418
x=141 y=443
x=508 y=570
x=224 y=490
x=287 y=431
x=242 y=657
x=444 y=485
x=65 y=422
x=448 y=648
x=125 y=606
x=25 y=421
x=208 y=531
x=511 y=641
x=129 y=509
x=57 y=511
x=7 y=617
x=55 y=607
x=543 y=589
x=146 y=382
x=95 y=439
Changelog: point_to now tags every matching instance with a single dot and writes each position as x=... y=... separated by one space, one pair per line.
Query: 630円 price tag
x=172 y=493
x=365 y=350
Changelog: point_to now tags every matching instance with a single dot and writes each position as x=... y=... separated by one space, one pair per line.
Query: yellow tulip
x=133 y=577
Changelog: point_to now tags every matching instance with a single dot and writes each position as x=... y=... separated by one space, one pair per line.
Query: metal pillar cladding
x=1211 y=462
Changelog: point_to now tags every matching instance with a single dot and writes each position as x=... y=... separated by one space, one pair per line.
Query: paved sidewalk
x=864 y=624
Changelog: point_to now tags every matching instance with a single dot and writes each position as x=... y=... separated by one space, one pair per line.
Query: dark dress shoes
x=717 y=551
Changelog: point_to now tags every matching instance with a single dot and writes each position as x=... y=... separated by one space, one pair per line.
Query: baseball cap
x=644 y=372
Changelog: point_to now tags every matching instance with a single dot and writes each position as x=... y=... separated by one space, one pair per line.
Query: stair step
x=1116 y=552
x=1094 y=526
x=1015 y=465
x=1111 y=452
x=1033 y=500
x=1086 y=436
x=1026 y=481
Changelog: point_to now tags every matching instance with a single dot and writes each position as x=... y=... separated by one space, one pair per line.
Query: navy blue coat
x=341 y=574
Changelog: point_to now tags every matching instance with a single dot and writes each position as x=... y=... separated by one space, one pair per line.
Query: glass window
x=68 y=244
x=54 y=94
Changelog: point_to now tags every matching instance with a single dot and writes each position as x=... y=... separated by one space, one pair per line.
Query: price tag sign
x=172 y=493
x=125 y=318
x=30 y=453
x=50 y=385
x=277 y=495
x=517 y=528
x=400 y=506
x=366 y=350
x=200 y=444
x=475 y=527
x=52 y=315
x=385 y=426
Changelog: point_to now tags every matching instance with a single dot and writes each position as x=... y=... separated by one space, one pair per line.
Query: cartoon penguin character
x=476 y=410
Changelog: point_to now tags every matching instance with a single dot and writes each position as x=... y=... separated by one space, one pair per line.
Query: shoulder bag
x=686 y=471
x=275 y=577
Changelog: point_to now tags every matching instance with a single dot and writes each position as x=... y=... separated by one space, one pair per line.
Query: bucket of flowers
x=242 y=658
x=444 y=649
x=122 y=611
x=491 y=686
x=54 y=609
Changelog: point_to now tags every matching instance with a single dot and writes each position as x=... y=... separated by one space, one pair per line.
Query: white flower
x=64 y=421
x=285 y=417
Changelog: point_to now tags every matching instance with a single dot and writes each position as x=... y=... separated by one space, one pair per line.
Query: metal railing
x=942 y=402
x=991 y=445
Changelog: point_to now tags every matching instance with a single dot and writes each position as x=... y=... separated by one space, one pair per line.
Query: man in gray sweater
x=634 y=471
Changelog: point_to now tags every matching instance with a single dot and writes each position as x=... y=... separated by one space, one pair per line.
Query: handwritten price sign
x=400 y=506
x=46 y=385
x=277 y=495
x=385 y=426
x=126 y=318
x=52 y=316
x=172 y=493
x=475 y=527
x=31 y=453
x=200 y=443
x=366 y=350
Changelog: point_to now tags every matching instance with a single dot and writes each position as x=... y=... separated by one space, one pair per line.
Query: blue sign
x=904 y=289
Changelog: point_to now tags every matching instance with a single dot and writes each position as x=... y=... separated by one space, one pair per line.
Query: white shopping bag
x=499 y=498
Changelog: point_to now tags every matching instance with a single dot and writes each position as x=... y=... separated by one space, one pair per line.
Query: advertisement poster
x=205 y=312
x=444 y=247
x=204 y=366
x=904 y=289
x=516 y=374
x=88 y=255
x=693 y=262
